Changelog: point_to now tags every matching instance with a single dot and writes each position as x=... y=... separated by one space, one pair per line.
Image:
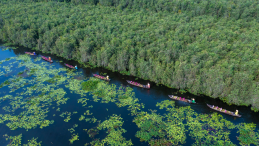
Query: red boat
x=47 y=59
x=30 y=53
x=138 y=84
x=101 y=77
x=70 y=66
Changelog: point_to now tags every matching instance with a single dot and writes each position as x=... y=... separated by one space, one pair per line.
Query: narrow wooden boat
x=137 y=84
x=178 y=98
x=101 y=77
x=47 y=59
x=223 y=111
x=30 y=53
x=70 y=66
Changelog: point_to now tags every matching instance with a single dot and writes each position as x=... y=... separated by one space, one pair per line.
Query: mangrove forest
x=207 y=47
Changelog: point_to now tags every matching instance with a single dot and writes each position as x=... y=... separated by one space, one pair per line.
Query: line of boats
x=49 y=60
x=148 y=87
x=173 y=97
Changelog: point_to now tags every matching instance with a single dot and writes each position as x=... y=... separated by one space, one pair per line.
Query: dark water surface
x=57 y=134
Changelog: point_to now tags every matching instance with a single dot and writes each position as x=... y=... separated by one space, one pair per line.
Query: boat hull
x=69 y=66
x=100 y=77
x=46 y=59
x=231 y=113
x=141 y=86
x=185 y=100
x=29 y=53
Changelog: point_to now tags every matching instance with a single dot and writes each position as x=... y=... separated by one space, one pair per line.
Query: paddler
x=49 y=58
x=148 y=85
x=193 y=101
x=107 y=77
x=236 y=113
x=34 y=53
x=76 y=67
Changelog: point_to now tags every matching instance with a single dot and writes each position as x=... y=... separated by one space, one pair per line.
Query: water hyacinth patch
x=247 y=135
x=16 y=141
x=113 y=126
x=73 y=138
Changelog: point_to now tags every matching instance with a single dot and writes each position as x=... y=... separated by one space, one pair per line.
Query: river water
x=57 y=134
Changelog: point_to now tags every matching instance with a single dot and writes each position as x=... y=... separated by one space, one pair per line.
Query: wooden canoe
x=29 y=53
x=101 y=77
x=70 y=66
x=45 y=58
x=223 y=111
x=137 y=84
x=177 y=98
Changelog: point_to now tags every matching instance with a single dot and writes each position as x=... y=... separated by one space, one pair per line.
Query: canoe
x=29 y=53
x=227 y=112
x=101 y=77
x=70 y=66
x=137 y=84
x=45 y=58
x=176 y=98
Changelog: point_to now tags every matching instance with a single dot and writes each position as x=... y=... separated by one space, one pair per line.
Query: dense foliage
x=220 y=8
x=176 y=45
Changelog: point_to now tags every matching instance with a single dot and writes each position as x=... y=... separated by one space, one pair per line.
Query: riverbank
x=199 y=54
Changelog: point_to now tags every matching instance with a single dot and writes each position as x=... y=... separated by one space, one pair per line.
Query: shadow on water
x=60 y=135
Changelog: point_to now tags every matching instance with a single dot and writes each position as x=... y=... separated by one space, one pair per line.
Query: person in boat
x=220 y=109
x=148 y=85
x=236 y=113
x=76 y=67
x=212 y=106
x=193 y=101
x=183 y=99
x=107 y=77
x=49 y=58
x=34 y=53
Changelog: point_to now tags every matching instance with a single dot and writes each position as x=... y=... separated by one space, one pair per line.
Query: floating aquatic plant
x=71 y=130
x=74 y=138
x=81 y=118
x=33 y=142
x=247 y=135
x=5 y=83
x=16 y=141
x=113 y=126
x=83 y=101
x=92 y=132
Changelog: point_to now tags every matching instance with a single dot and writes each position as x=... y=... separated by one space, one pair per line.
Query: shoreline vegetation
x=203 y=47
x=43 y=94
